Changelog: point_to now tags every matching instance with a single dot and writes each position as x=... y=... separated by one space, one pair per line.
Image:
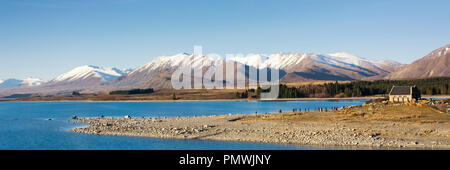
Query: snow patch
x=32 y=82
x=348 y=58
x=251 y=60
x=87 y=71
x=385 y=62
x=175 y=61
x=278 y=60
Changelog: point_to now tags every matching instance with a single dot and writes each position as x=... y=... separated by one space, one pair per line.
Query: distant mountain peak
x=30 y=81
x=89 y=71
x=438 y=52
x=435 y=64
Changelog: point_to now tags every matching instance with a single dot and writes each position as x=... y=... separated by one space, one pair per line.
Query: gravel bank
x=291 y=128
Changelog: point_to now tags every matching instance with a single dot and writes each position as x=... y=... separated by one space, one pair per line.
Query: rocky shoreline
x=326 y=129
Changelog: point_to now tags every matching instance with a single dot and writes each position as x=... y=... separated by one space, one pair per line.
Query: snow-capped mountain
x=287 y=60
x=10 y=83
x=294 y=66
x=314 y=66
x=81 y=78
x=87 y=72
x=32 y=82
x=77 y=79
x=157 y=73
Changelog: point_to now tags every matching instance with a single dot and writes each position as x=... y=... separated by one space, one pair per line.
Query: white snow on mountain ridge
x=251 y=60
x=169 y=61
x=385 y=62
x=176 y=60
x=32 y=82
x=285 y=60
x=87 y=71
x=278 y=60
x=348 y=58
x=441 y=52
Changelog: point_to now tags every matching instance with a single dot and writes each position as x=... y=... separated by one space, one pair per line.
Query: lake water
x=25 y=125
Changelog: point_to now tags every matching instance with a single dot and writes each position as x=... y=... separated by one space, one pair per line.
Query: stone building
x=404 y=94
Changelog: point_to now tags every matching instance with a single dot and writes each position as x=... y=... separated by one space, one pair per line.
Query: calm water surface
x=25 y=125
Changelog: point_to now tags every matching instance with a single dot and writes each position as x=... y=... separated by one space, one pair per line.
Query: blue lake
x=25 y=125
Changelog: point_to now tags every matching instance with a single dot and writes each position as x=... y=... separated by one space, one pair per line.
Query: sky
x=45 y=38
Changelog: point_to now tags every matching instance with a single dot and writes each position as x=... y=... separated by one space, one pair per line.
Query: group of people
x=320 y=109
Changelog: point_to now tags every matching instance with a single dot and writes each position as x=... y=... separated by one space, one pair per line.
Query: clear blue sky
x=44 y=38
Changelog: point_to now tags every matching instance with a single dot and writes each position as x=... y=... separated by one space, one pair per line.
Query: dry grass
x=417 y=114
x=394 y=120
x=394 y=112
x=313 y=82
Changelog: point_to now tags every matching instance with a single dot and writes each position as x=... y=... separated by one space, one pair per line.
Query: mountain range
x=293 y=67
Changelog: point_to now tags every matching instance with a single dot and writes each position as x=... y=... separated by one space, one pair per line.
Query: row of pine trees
x=430 y=86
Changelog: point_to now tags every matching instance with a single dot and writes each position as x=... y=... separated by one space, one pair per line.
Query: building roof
x=400 y=90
